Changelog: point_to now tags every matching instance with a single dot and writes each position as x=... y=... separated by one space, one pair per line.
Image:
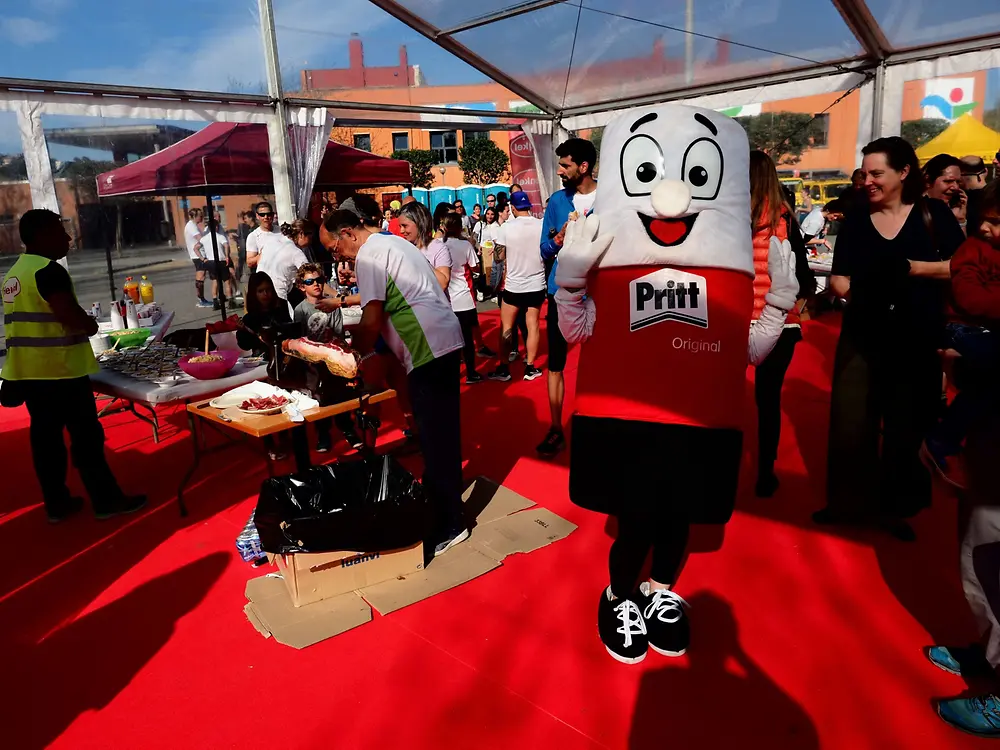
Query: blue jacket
x=556 y=214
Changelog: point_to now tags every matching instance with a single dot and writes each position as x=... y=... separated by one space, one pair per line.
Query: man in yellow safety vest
x=49 y=358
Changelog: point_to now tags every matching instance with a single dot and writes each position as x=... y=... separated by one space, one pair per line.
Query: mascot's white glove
x=582 y=250
x=780 y=298
x=781 y=269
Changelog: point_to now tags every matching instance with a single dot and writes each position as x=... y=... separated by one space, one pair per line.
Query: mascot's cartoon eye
x=702 y=169
x=642 y=165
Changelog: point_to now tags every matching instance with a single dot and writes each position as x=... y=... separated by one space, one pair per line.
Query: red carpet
x=130 y=633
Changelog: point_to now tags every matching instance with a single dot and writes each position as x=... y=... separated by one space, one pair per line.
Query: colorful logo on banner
x=747 y=110
x=948 y=98
x=523 y=172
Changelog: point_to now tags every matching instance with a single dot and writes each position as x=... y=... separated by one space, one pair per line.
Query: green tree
x=782 y=135
x=85 y=168
x=919 y=132
x=483 y=162
x=422 y=161
x=12 y=167
x=991 y=118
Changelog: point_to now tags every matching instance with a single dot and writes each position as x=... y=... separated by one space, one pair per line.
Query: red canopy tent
x=233 y=158
x=228 y=158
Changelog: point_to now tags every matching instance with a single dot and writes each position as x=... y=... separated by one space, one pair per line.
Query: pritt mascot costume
x=658 y=282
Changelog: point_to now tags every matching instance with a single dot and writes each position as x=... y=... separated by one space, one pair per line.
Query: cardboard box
x=312 y=577
x=505 y=523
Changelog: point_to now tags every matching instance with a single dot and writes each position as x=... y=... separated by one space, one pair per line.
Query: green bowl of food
x=131 y=337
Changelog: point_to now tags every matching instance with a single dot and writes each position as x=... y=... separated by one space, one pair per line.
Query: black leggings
x=468 y=319
x=883 y=402
x=666 y=533
x=767 y=392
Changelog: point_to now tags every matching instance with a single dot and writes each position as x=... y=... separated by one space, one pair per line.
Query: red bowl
x=209 y=370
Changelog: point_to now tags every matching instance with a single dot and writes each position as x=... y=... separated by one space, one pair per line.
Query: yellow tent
x=967 y=136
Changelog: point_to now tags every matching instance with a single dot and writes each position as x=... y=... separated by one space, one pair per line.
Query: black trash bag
x=371 y=505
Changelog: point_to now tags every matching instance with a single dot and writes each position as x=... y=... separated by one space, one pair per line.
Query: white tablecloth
x=115 y=384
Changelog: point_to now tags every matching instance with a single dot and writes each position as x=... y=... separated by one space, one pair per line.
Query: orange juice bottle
x=131 y=289
x=146 y=290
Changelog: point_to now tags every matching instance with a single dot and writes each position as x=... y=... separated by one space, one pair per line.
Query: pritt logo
x=668 y=294
x=11 y=288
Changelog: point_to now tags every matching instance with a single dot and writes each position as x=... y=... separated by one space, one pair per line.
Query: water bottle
x=117 y=324
x=131 y=314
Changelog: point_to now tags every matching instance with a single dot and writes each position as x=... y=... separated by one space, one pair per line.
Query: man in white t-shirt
x=403 y=301
x=523 y=284
x=263 y=235
x=281 y=261
x=196 y=251
x=222 y=273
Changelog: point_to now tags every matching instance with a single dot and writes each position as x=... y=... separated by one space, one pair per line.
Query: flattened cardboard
x=454 y=567
x=521 y=533
x=271 y=612
x=487 y=501
x=312 y=577
x=506 y=523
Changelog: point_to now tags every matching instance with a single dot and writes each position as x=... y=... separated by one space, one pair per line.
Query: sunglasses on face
x=265 y=216
x=310 y=282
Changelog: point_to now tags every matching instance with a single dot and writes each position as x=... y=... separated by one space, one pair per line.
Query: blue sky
x=216 y=46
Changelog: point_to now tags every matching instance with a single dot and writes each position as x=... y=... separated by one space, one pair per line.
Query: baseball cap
x=395 y=205
x=520 y=201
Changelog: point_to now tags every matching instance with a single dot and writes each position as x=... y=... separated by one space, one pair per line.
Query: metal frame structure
x=876 y=51
x=879 y=69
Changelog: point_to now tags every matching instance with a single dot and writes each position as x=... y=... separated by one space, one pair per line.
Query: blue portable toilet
x=421 y=194
x=441 y=195
x=470 y=195
x=496 y=187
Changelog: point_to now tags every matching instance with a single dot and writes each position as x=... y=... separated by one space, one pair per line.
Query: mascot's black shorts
x=616 y=463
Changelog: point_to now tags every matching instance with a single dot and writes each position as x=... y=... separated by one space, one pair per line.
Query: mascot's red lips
x=668 y=232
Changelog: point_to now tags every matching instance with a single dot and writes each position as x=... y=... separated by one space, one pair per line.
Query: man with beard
x=577 y=158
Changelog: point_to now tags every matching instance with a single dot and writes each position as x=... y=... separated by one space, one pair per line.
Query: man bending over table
x=403 y=302
x=49 y=359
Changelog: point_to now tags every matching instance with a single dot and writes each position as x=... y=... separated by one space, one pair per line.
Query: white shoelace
x=666 y=605
x=632 y=622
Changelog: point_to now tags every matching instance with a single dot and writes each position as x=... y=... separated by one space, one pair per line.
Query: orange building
x=383 y=141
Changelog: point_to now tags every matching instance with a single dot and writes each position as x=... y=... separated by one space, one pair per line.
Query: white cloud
x=25 y=32
x=214 y=57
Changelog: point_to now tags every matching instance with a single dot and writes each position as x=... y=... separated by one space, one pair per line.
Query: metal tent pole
x=210 y=209
x=277 y=127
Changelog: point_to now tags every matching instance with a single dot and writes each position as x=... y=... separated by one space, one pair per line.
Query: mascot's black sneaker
x=622 y=628
x=667 y=626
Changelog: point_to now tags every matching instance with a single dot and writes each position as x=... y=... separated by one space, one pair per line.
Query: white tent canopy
x=576 y=60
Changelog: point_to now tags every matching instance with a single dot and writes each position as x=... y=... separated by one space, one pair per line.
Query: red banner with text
x=523 y=172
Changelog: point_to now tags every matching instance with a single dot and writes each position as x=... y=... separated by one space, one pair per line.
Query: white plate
x=260 y=412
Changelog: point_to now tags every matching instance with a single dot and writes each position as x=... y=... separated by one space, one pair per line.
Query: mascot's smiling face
x=674 y=189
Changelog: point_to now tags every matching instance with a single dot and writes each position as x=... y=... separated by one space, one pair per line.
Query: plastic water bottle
x=146 y=291
x=131 y=314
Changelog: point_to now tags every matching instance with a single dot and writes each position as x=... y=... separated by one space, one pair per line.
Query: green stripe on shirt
x=404 y=320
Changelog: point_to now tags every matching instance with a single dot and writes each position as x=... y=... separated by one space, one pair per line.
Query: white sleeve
x=500 y=236
x=373 y=276
x=764 y=332
x=471 y=258
x=576 y=315
x=252 y=248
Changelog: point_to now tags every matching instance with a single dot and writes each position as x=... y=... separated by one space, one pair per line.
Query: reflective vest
x=39 y=347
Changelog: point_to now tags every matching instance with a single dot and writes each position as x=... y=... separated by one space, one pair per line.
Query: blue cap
x=520 y=201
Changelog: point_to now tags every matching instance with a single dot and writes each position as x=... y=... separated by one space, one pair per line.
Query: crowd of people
x=917 y=263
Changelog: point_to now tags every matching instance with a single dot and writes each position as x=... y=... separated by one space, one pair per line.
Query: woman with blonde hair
x=771 y=216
